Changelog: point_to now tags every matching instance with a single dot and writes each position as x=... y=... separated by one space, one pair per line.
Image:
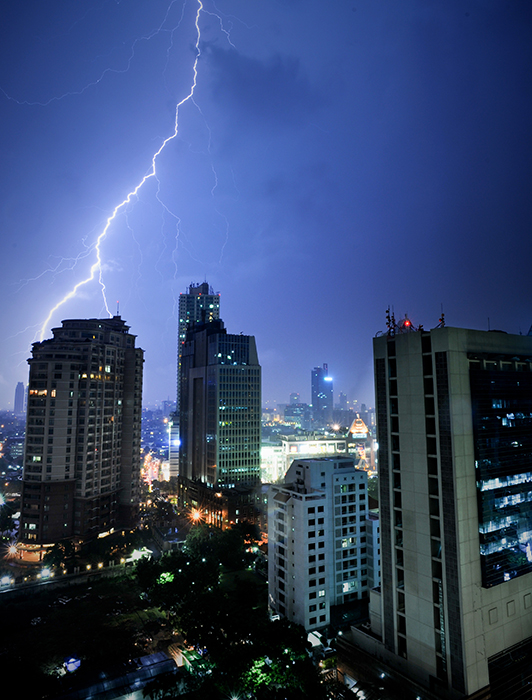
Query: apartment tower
x=82 y=452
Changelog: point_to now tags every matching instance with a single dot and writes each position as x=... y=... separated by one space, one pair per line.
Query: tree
x=59 y=554
x=248 y=652
x=373 y=487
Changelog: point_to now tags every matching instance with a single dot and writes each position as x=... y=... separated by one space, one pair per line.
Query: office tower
x=454 y=418
x=18 y=407
x=317 y=557
x=294 y=398
x=198 y=305
x=220 y=410
x=322 y=394
x=82 y=453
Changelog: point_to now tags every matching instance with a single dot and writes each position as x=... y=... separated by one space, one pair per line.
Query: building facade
x=317 y=549
x=20 y=400
x=373 y=536
x=454 y=418
x=199 y=304
x=220 y=417
x=321 y=388
x=82 y=451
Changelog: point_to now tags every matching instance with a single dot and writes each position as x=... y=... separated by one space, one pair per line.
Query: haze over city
x=330 y=160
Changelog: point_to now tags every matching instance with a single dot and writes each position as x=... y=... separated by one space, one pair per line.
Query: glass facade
x=501 y=394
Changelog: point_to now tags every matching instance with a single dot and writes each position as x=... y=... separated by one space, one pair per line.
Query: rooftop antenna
x=118 y=308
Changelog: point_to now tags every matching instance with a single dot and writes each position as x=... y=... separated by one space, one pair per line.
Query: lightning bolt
x=104 y=73
x=96 y=270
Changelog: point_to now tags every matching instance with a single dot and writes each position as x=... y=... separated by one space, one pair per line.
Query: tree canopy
x=222 y=612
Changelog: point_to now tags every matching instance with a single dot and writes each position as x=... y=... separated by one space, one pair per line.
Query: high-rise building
x=82 y=452
x=342 y=401
x=454 y=419
x=18 y=407
x=317 y=559
x=321 y=387
x=199 y=304
x=220 y=409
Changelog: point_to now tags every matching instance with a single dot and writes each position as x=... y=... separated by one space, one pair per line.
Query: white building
x=317 y=549
x=276 y=459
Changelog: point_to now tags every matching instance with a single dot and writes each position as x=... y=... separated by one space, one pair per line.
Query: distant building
x=342 y=402
x=317 y=548
x=294 y=398
x=322 y=395
x=168 y=407
x=220 y=416
x=454 y=418
x=20 y=400
x=82 y=452
x=299 y=415
x=276 y=460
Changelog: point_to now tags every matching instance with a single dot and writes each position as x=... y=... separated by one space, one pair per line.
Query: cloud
x=265 y=92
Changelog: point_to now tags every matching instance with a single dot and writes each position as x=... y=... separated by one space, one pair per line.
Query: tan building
x=82 y=451
x=454 y=418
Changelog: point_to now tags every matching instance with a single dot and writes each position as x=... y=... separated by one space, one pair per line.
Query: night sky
x=336 y=157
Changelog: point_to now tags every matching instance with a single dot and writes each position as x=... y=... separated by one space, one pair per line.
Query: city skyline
x=335 y=160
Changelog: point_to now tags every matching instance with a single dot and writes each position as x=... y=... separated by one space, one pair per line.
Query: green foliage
x=59 y=554
x=211 y=600
x=373 y=487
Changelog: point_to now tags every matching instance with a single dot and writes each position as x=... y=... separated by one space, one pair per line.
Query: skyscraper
x=82 y=452
x=18 y=407
x=454 y=418
x=199 y=304
x=317 y=546
x=322 y=394
x=220 y=414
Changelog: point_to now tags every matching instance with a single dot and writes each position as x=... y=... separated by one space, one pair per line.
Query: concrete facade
x=82 y=451
x=317 y=550
x=455 y=505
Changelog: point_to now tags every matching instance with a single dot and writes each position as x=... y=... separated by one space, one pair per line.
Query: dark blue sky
x=337 y=158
